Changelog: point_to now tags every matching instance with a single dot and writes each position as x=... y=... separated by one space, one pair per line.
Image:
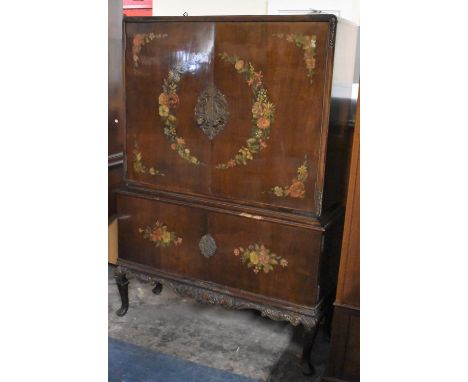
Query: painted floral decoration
x=308 y=44
x=141 y=39
x=138 y=165
x=159 y=235
x=168 y=101
x=260 y=258
x=263 y=112
x=297 y=187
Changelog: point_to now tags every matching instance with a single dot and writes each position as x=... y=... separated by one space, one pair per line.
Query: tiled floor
x=242 y=342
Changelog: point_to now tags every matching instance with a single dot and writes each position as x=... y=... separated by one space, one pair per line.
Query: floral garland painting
x=263 y=112
x=138 y=165
x=159 y=235
x=141 y=39
x=168 y=101
x=297 y=187
x=260 y=258
x=308 y=44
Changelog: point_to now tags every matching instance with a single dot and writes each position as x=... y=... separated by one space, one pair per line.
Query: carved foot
x=309 y=340
x=122 y=285
x=157 y=288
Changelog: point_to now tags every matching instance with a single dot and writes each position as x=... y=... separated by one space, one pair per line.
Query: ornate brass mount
x=207 y=245
x=211 y=111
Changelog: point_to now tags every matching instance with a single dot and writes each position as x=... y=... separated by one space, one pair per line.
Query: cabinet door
x=272 y=74
x=167 y=65
x=230 y=110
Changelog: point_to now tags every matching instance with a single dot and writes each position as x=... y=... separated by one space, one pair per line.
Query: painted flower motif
x=296 y=190
x=138 y=166
x=141 y=39
x=163 y=111
x=308 y=44
x=263 y=113
x=239 y=65
x=173 y=99
x=260 y=258
x=163 y=99
x=159 y=234
x=297 y=187
x=263 y=123
x=168 y=100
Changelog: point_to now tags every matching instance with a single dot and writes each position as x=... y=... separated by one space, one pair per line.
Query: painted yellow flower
x=278 y=191
x=163 y=111
x=239 y=64
x=166 y=237
x=253 y=257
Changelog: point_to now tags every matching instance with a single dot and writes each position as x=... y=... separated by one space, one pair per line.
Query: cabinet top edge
x=319 y=17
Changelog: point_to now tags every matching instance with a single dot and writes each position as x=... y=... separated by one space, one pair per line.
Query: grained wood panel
x=344 y=363
x=348 y=283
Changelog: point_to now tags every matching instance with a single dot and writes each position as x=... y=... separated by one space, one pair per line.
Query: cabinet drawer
x=269 y=258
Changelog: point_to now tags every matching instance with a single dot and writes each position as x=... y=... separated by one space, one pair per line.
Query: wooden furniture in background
x=235 y=171
x=115 y=116
x=344 y=363
x=115 y=102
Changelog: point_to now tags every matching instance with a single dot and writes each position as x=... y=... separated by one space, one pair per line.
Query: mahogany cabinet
x=234 y=168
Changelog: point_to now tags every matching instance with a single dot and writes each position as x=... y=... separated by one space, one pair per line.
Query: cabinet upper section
x=232 y=109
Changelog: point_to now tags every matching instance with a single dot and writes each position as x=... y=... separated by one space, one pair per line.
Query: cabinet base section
x=210 y=293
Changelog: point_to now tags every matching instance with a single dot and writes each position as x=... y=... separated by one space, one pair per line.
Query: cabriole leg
x=122 y=285
x=309 y=340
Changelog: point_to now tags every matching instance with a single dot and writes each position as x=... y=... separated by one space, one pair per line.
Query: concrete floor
x=241 y=342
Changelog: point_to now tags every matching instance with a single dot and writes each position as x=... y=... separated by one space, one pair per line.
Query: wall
x=348 y=9
x=209 y=7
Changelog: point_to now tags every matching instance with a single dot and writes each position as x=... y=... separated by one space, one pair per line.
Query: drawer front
x=229 y=110
x=266 y=258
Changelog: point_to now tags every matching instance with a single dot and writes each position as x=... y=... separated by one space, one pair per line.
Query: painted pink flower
x=137 y=40
x=173 y=99
x=236 y=252
x=263 y=123
x=263 y=259
x=157 y=234
x=181 y=141
x=164 y=99
x=297 y=190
